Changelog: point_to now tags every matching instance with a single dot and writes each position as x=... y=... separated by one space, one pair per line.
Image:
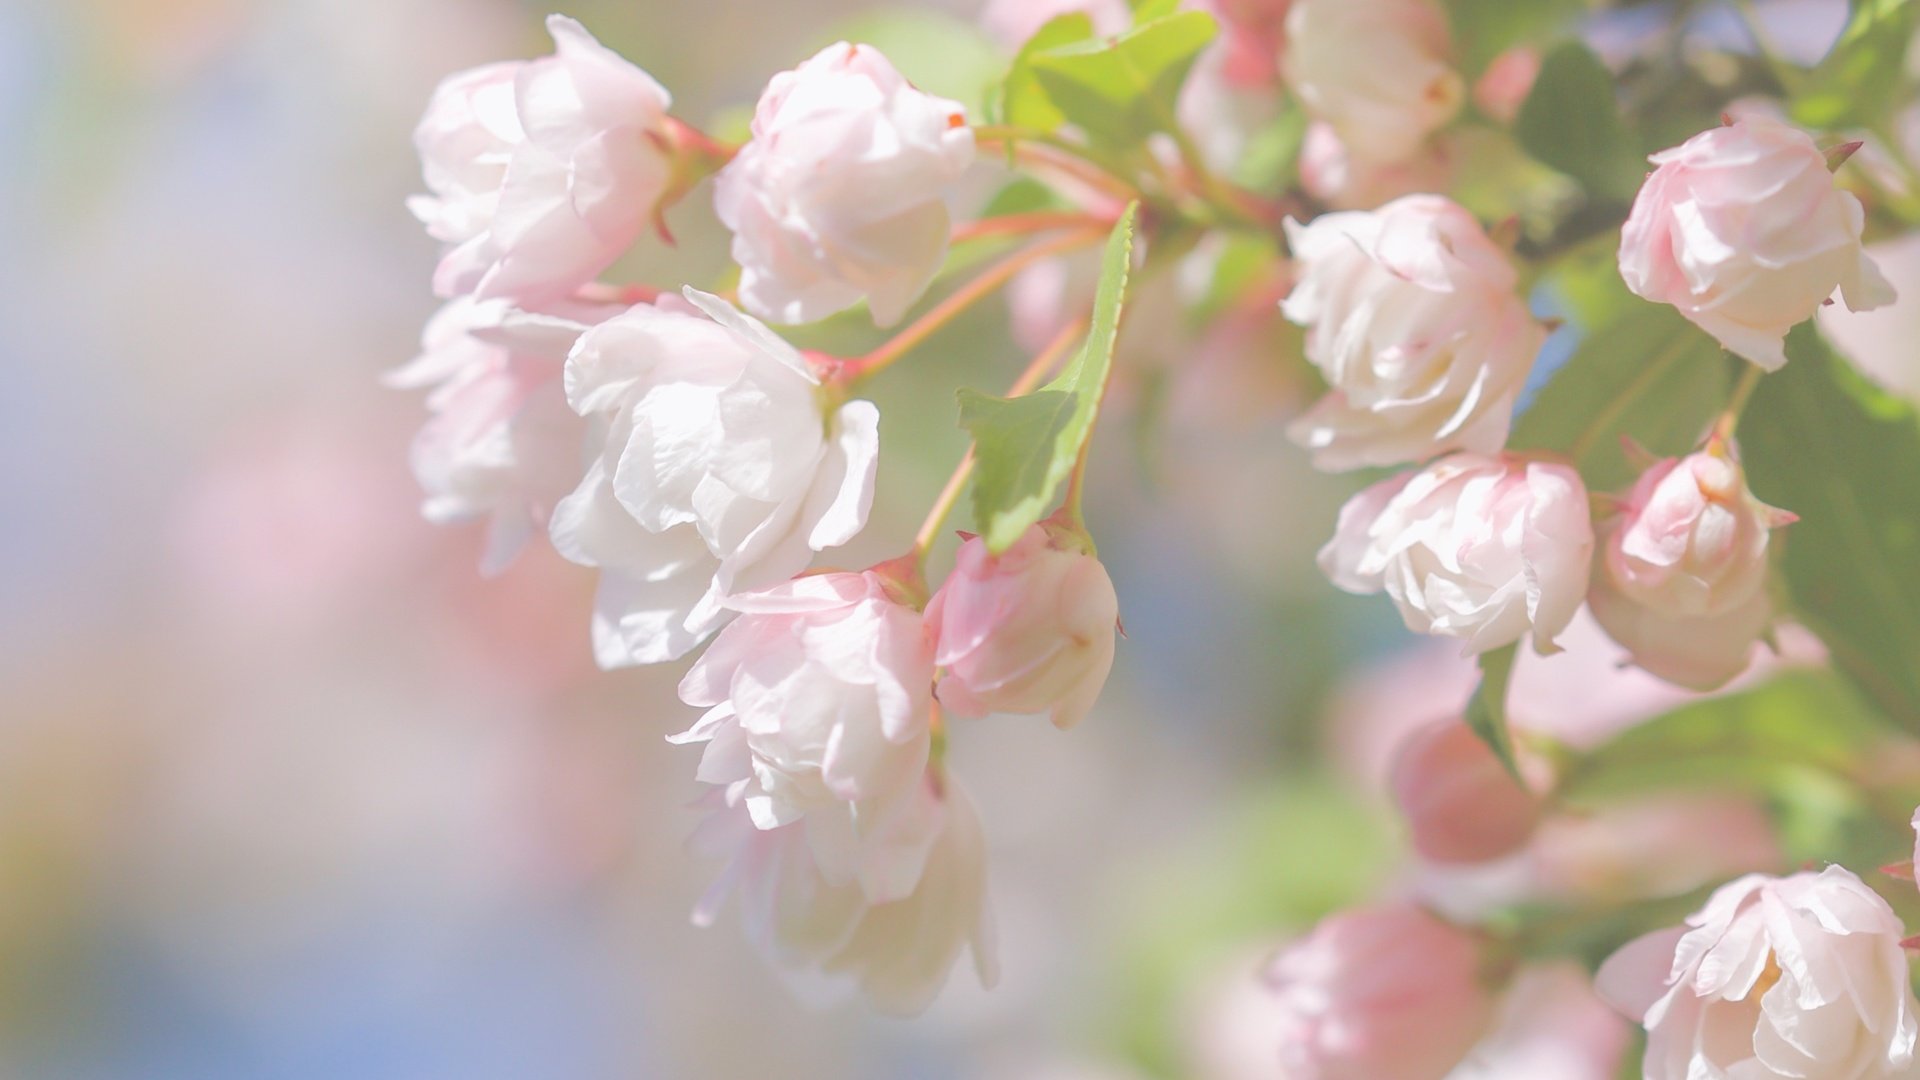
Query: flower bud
x=1802 y=976
x=1504 y=86
x=837 y=198
x=1458 y=799
x=1744 y=231
x=1030 y=630
x=1412 y=317
x=1683 y=570
x=1484 y=549
x=542 y=173
x=1377 y=70
x=1379 y=992
x=1345 y=182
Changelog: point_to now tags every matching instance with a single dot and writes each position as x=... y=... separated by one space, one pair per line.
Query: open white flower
x=1800 y=976
x=722 y=464
x=1412 y=316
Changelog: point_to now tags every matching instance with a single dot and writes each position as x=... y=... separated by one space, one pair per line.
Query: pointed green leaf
x=1571 y=121
x=1026 y=447
x=1855 y=84
x=1487 y=709
x=1649 y=376
x=1121 y=89
x=1819 y=440
x=1023 y=104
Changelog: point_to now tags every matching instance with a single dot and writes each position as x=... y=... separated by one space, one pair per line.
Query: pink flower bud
x=542 y=173
x=1484 y=549
x=838 y=196
x=1802 y=976
x=1504 y=86
x=1377 y=70
x=1412 y=317
x=1345 y=182
x=1743 y=229
x=1028 y=631
x=1460 y=802
x=1684 y=567
x=1378 y=993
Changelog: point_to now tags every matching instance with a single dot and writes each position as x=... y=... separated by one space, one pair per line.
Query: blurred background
x=288 y=790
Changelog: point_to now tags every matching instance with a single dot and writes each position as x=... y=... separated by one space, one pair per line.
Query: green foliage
x=1854 y=85
x=1572 y=121
x=941 y=53
x=1487 y=709
x=1822 y=442
x=1649 y=376
x=1022 y=101
x=1259 y=865
x=1483 y=29
x=1118 y=90
x=1751 y=739
x=1026 y=447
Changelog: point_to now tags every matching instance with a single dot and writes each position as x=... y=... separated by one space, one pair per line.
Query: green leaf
x=1821 y=441
x=940 y=53
x=1855 y=84
x=1649 y=376
x=1571 y=121
x=1483 y=29
x=1120 y=90
x=1748 y=739
x=1026 y=447
x=1487 y=709
x=1023 y=103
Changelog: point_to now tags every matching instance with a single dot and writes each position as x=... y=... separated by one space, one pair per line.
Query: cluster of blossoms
x=702 y=464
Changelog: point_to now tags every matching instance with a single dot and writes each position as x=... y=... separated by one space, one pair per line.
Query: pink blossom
x=542 y=173
x=1458 y=799
x=1027 y=631
x=1684 y=568
x=1552 y=1026
x=818 y=698
x=1488 y=550
x=837 y=198
x=1504 y=86
x=1378 y=71
x=502 y=443
x=1345 y=182
x=1012 y=22
x=816 y=922
x=1802 y=976
x=1412 y=316
x=1743 y=229
x=1379 y=992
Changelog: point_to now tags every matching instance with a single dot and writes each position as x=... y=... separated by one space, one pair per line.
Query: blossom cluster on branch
x=670 y=438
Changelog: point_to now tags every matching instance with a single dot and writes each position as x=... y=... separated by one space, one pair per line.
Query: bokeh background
x=287 y=790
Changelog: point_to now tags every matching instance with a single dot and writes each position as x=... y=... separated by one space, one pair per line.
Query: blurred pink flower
x=1552 y=1026
x=1459 y=801
x=1012 y=22
x=1388 y=991
x=1379 y=71
x=1345 y=182
x=818 y=925
x=1504 y=86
